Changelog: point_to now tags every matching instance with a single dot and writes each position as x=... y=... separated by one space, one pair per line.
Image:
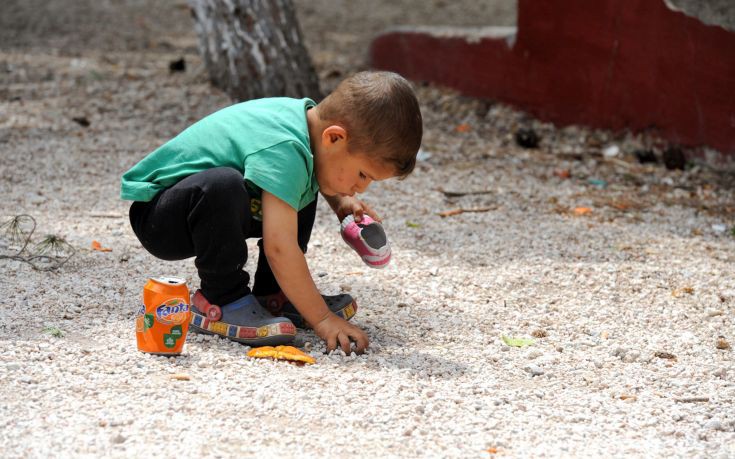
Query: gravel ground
x=627 y=302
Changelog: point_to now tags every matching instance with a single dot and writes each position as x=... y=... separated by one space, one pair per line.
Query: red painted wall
x=606 y=63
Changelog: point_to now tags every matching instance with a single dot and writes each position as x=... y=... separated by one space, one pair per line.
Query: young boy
x=253 y=170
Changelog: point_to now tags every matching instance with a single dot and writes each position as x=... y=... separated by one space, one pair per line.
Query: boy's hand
x=334 y=330
x=346 y=205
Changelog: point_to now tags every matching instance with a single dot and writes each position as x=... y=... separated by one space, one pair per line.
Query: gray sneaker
x=277 y=304
x=244 y=320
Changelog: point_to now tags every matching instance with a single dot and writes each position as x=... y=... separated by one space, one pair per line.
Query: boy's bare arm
x=280 y=232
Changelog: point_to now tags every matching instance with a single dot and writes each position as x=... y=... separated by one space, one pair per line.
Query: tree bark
x=254 y=48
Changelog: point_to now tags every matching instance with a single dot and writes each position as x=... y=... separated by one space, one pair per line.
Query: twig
x=459 y=194
x=51 y=244
x=451 y=212
x=101 y=215
x=694 y=399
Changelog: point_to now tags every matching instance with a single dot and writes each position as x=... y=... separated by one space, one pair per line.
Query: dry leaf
x=98 y=247
x=682 y=291
x=180 y=377
x=464 y=127
x=281 y=353
x=582 y=210
x=563 y=173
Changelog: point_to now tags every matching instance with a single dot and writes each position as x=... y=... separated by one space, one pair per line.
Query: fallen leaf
x=412 y=224
x=563 y=173
x=98 y=247
x=281 y=353
x=492 y=450
x=464 y=127
x=676 y=293
x=180 y=377
x=722 y=344
x=582 y=210
x=516 y=342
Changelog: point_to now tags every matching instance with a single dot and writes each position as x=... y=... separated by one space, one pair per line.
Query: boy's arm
x=280 y=230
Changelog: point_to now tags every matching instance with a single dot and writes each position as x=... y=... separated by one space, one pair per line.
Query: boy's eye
x=363 y=176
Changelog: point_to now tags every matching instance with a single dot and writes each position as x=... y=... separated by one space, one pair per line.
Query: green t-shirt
x=265 y=139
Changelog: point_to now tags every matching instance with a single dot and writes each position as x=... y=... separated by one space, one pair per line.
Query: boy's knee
x=223 y=182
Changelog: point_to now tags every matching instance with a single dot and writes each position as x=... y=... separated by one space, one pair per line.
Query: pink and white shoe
x=368 y=239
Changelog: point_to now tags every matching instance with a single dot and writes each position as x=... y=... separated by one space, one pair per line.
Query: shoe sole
x=275 y=334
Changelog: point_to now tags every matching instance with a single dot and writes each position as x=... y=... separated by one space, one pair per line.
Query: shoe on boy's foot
x=368 y=239
x=343 y=305
x=244 y=320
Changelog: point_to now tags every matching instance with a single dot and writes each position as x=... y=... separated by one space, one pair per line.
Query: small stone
x=533 y=370
x=559 y=349
x=619 y=352
x=719 y=228
x=674 y=158
x=345 y=287
x=118 y=439
x=539 y=333
x=714 y=424
x=527 y=138
x=534 y=354
x=720 y=373
x=611 y=151
x=13 y=366
x=631 y=356
x=645 y=156
x=722 y=344
x=715 y=312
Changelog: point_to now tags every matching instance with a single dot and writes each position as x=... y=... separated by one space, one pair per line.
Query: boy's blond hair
x=381 y=115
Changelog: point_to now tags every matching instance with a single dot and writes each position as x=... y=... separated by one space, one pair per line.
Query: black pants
x=207 y=216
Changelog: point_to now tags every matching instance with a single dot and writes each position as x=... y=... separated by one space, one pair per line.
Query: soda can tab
x=162 y=321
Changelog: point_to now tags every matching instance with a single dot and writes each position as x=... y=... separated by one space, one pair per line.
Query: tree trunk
x=253 y=48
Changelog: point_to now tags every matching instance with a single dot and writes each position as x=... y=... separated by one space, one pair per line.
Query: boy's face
x=344 y=173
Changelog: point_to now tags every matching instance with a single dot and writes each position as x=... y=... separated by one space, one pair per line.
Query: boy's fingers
x=357 y=211
x=331 y=343
x=369 y=210
x=361 y=341
x=344 y=342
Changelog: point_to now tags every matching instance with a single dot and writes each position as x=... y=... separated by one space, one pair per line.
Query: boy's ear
x=333 y=134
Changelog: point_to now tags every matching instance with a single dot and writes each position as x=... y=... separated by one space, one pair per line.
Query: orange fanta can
x=163 y=318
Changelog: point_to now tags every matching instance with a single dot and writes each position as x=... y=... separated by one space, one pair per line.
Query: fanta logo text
x=172 y=312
